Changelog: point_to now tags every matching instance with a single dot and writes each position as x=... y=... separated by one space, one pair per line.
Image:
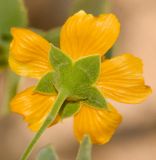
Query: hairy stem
x=85 y=149
x=50 y=118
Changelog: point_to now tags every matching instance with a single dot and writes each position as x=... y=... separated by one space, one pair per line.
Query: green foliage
x=109 y=53
x=12 y=13
x=94 y=98
x=47 y=153
x=53 y=36
x=77 y=79
x=74 y=82
x=69 y=109
x=84 y=153
x=91 y=6
x=11 y=87
x=58 y=59
x=4 y=45
x=90 y=66
x=85 y=149
x=45 y=85
x=83 y=72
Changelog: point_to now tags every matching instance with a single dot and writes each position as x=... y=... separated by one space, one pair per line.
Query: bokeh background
x=136 y=137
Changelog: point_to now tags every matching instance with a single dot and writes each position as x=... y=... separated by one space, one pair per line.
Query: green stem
x=50 y=118
x=85 y=149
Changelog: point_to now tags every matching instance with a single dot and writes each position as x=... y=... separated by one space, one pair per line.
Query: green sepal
x=58 y=58
x=70 y=79
x=90 y=66
x=45 y=85
x=69 y=109
x=77 y=78
x=93 y=97
x=74 y=77
x=47 y=153
x=12 y=14
x=85 y=149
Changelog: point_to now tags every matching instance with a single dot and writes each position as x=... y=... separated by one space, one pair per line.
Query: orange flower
x=82 y=35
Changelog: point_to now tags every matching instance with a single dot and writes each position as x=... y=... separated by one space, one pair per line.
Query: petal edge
x=83 y=34
x=33 y=107
x=29 y=53
x=122 y=79
x=100 y=125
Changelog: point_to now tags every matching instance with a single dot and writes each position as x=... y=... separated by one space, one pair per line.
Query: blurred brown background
x=136 y=137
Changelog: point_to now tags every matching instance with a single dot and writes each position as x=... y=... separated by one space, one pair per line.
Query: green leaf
x=93 y=97
x=69 y=109
x=58 y=58
x=45 y=85
x=12 y=14
x=90 y=66
x=85 y=149
x=47 y=153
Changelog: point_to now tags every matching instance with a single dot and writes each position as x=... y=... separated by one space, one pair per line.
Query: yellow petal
x=29 y=53
x=121 y=79
x=83 y=34
x=100 y=125
x=33 y=106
